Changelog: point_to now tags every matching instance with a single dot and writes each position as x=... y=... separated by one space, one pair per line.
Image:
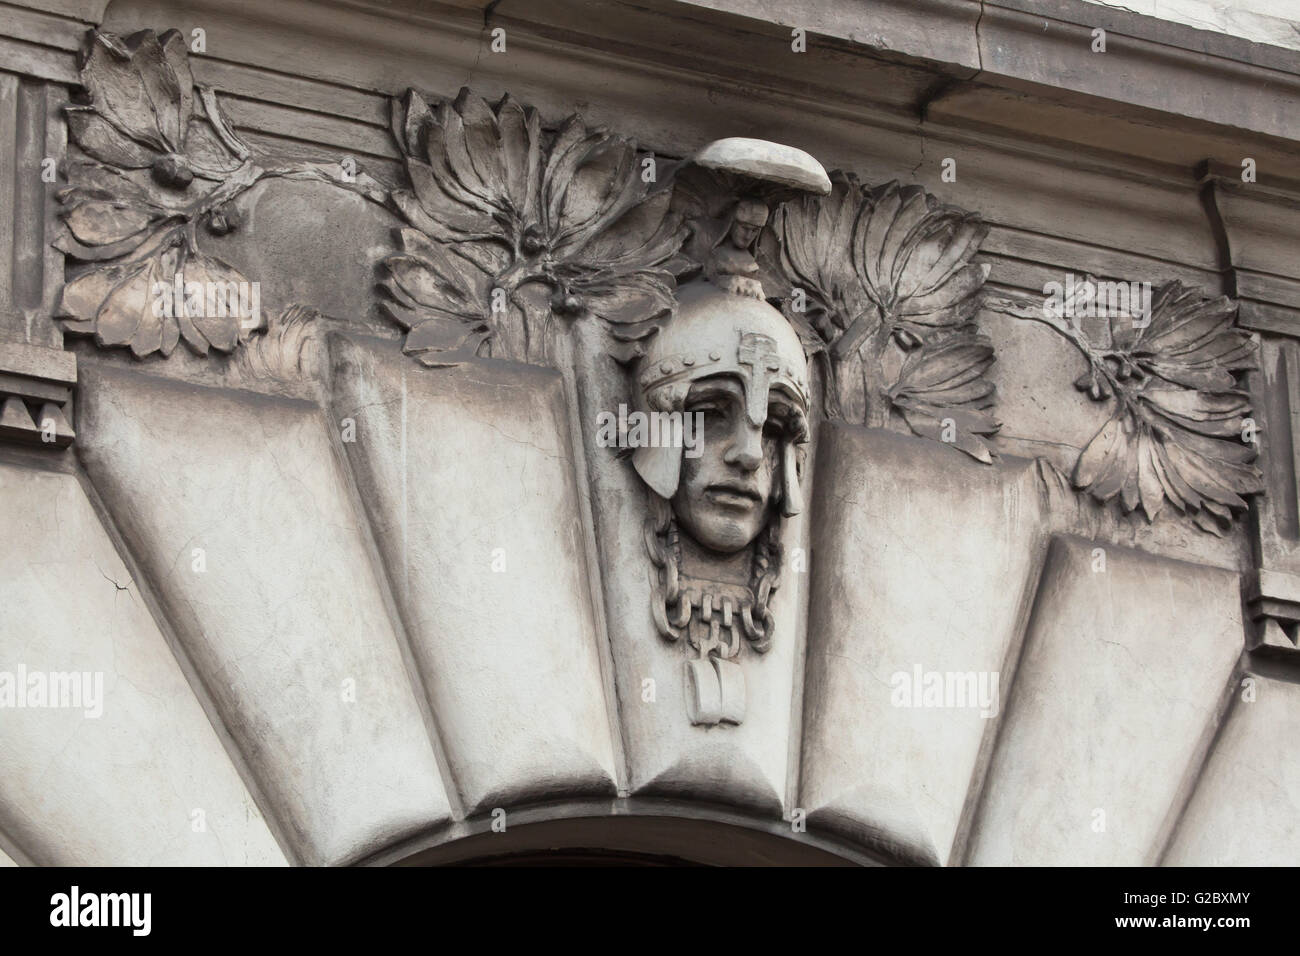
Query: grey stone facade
x=339 y=526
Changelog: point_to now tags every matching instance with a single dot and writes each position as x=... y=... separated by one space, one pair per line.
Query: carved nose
x=746 y=449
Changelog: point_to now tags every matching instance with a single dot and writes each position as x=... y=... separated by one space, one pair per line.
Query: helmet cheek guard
x=791 y=493
x=660 y=466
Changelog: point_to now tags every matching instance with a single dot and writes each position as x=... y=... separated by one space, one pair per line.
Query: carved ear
x=659 y=467
x=791 y=494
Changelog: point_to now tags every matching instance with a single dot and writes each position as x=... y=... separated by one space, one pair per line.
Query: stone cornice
x=958 y=64
x=1041 y=47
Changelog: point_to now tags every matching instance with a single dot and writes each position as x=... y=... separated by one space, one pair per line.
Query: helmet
x=716 y=333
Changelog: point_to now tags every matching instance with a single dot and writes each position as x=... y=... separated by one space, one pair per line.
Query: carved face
x=738 y=363
x=725 y=496
x=748 y=220
x=743 y=234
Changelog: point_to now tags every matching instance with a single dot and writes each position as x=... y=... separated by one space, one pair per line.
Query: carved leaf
x=1177 y=430
x=106 y=214
x=142 y=87
x=101 y=222
x=816 y=235
x=101 y=139
x=1190 y=341
x=142 y=114
x=133 y=303
x=570 y=211
x=869 y=267
x=913 y=254
x=437 y=297
x=941 y=393
x=464 y=185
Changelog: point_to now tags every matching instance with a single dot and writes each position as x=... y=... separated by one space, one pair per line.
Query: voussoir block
x=471 y=489
x=1123 y=669
x=236 y=506
x=1245 y=810
x=923 y=563
x=108 y=757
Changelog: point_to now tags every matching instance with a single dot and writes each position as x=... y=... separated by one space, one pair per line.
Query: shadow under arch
x=623 y=832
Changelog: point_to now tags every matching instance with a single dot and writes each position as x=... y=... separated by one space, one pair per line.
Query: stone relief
x=161 y=164
x=714 y=526
x=716 y=511
x=498 y=205
x=363 y=580
x=883 y=277
x=512 y=230
x=1180 y=428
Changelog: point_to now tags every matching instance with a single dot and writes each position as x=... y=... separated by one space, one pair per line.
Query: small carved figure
x=732 y=266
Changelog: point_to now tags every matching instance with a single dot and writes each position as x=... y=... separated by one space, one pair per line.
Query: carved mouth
x=733 y=496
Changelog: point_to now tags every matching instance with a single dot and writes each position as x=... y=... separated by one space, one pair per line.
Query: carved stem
x=873 y=375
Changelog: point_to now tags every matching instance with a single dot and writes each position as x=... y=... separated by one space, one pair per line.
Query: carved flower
x=1179 y=425
x=141 y=101
x=134 y=303
x=892 y=264
x=570 y=211
x=137 y=228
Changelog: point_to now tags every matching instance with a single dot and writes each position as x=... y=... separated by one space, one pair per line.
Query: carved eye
x=780 y=421
x=708 y=406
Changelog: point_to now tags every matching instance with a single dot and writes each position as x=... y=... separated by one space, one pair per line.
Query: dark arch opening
x=661 y=839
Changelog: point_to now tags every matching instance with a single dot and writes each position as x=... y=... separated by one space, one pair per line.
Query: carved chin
x=725 y=526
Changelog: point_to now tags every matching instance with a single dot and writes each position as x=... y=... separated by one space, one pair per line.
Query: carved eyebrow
x=718 y=387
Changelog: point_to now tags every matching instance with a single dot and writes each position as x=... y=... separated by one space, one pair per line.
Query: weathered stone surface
x=1118 y=685
x=236 y=506
x=1246 y=807
x=472 y=493
x=766 y=161
x=1129 y=172
x=745 y=764
x=130 y=786
x=923 y=563
x=312 y=244
x=1264 y=21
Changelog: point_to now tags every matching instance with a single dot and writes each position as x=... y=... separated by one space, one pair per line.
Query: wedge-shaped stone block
x=472 y=493
x=1245 y=810
x=922 y=572
x=1119 y=683
x=108 y=756
x=745 y=764
x=236 y=506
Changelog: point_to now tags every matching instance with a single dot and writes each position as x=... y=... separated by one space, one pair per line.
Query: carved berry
x=224 y=219
x=172 y=171
x=566 y=303
x=532 y=242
